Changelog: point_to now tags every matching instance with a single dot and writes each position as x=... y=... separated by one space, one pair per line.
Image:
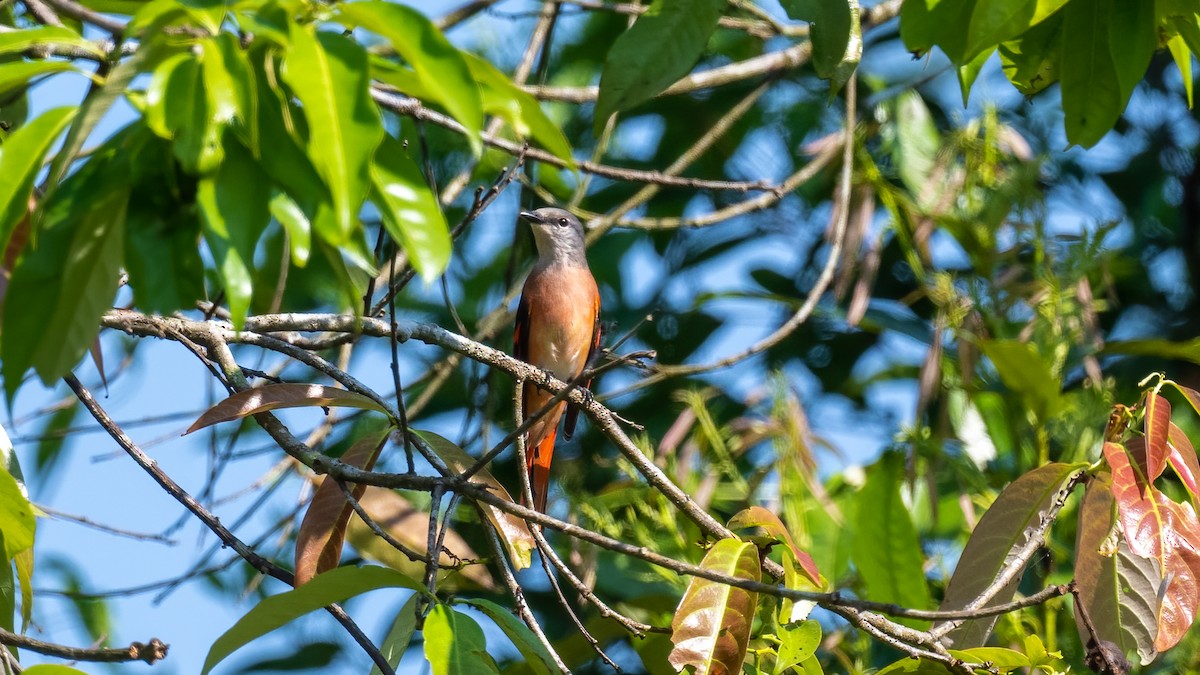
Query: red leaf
x=1156 y=423
x=1182 y=571
x=1190 y=394
x=1165 y=531
x=1182 y=458
x=757 y=516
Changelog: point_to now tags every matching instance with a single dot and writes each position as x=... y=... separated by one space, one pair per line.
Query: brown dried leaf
x=513 y=531
x=1118 y=589
x=410 y=526
x=323 y=529
x=275 y=396
x=711 y=628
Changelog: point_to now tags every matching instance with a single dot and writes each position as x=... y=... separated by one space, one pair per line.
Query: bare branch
x=151 y=652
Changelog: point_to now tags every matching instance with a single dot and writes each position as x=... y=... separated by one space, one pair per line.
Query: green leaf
x=177 y=106
x=20 y=161
x=660 y=47
x=16 y=74
x=1005 y=660
x=917 y=143
x=273 y=612
x=93 y=108
x=829 y=33
x=1003 y=528
x=536 y=656
x=17 y=523
x=280 y=127
x=159 y=228
x=996 y=21
x=924 y=23
x=234 y=212
x=411 y=212
x=885 y=548
x=711 y=626
x=454 y=644
x=1031 y=61
x=797 y=642
x=18 y=41
x=1183 y=60
x=64 y=284
x=228 y=81
x=295 y=223
x=51 y=669
x=504 y=99
x=8 y=592
x=439 y=66
x=1133 y=38
x=1118 y=589
x=329 y=74
x=1023 y=370
x=968 y=72
x=400 y=634
x=1091 y=90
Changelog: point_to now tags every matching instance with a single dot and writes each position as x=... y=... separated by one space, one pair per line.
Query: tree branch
x=151 y=652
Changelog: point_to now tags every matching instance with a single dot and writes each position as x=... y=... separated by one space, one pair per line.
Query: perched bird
x=557 y=330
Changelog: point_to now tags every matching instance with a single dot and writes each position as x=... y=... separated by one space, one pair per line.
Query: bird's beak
x=531 y=216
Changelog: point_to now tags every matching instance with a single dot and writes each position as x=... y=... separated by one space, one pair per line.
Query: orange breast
x=563 y=303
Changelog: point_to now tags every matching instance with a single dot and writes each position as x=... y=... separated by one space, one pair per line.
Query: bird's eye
x=562 y=222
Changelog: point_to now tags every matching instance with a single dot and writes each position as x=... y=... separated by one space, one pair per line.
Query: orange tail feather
x=538 y=459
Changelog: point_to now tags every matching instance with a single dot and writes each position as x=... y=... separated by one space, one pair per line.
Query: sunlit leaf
x=454 y=644
x=536 y=656
x=1003 y=529
x=1183 y=60
x=1118 y=589
x=661 y=47
x=410 y=210
x=16 y=74
x=323 y=528
x=523 y=112
x=1030 y=62
x=20 y=161
x=996 y=21
x=711 y=627
x=16 y=516
x=439 y=66
x=797 y=643
x=54 y=36
x=276 y=396
x=328 y=73
x=279 y=610
x=513 y=531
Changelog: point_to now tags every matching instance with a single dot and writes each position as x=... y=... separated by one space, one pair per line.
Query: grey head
x=558 y=235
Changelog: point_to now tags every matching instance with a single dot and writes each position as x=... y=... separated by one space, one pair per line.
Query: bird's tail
x=538 y=459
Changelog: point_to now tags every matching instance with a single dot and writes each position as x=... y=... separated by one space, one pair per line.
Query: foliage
x=260 y=182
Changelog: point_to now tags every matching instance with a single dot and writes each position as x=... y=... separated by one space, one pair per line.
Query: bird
x=557 y=330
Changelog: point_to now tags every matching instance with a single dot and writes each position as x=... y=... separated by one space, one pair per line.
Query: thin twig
x=210 y=521
x=151 y=652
